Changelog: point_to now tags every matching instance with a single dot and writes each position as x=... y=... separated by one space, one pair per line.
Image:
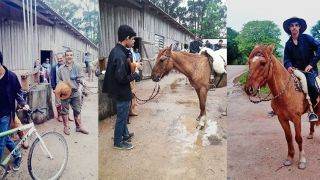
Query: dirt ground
x=167 y=143
x=83 y=149
x=256 y=142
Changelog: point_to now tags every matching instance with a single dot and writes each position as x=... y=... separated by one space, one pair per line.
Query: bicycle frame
x=32 y=130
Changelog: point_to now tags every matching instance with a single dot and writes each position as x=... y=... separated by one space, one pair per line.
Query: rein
x=154 y=93
x=267 y=97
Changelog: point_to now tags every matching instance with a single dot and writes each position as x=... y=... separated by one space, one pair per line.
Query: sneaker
x=128 y=138
x=271 y=113
x=313 y=117
x=80 y=129
x=123 y=146
x=17 y=163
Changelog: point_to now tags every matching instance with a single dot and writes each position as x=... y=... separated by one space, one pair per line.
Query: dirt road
x=167 y=143
x=83 y=150
x=256 y=142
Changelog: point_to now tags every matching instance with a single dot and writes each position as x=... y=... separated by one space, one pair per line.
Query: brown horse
x=195 y=67
x=287 y=103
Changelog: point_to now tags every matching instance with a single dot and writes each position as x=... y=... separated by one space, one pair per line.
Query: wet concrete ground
x=257 y=144
x=83 y=149
x=167 y=143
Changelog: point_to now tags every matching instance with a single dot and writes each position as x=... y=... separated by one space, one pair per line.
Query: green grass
x=243 y=79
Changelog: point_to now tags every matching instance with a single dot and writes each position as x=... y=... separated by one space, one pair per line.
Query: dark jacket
x=14 y=91
x=53 y=76
x=306 y=52
x=118 y=74
x=195 y=46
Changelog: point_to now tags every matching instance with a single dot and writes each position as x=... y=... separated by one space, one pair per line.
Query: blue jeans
x=7 y=141
x=121 y=128
x=312 y=88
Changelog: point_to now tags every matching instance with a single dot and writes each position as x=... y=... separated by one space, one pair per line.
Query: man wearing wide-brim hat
x=302 y=52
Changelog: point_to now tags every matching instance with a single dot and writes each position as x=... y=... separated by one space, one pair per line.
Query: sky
x=243 y=11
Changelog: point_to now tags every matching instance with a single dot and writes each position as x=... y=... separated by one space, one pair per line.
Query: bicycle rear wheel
x=40 y=165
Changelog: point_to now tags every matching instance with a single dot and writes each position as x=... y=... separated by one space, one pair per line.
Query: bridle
x=267 y=98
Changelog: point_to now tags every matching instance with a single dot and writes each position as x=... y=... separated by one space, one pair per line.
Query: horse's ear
x=168 y=51
x=270 y=48
x=257 y=45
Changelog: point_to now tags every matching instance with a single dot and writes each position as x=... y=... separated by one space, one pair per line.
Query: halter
x=267 y=97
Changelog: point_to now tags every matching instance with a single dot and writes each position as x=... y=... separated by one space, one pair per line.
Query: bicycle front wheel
x=40 y=165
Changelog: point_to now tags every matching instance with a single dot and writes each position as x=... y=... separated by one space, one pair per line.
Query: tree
x=168 y=6
x=258 y=32
x=213 y=24
x=315 y=31
x=64 y=8
x=232 y=46
x=87 y=22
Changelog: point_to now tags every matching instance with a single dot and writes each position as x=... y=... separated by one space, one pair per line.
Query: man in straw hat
x=301 y=54
x=71 y=74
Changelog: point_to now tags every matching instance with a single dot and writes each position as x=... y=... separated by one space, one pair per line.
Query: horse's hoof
x=302 y=165
x=287 y=162
x=310 y=136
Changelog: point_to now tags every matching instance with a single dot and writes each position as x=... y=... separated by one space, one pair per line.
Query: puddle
x=183 y=132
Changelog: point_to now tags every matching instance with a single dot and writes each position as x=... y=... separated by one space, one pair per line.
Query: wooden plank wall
x=145 y=23
x=54 y=38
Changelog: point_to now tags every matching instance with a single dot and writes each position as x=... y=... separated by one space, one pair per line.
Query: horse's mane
x=261 y=49
x=162 y=51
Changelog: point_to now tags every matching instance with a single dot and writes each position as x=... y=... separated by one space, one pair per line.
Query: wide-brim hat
x=288 y=22
x=63 y=90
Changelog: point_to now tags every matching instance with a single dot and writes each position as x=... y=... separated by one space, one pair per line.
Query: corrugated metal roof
x=45 y=12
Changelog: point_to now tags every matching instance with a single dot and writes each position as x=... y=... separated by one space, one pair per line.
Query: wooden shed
x=30 y=30
x=155 y=29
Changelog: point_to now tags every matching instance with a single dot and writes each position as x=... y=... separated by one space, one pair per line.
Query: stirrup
x=313 y=117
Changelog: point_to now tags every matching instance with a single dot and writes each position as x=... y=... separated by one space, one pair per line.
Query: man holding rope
x=117 y=84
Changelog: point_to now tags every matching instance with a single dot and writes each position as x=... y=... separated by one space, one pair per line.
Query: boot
x=78 y=125
x=25 y=144
x=66 y=129
x=59 y=113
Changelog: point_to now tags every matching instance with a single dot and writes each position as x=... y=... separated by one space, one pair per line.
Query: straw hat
x=63 y=90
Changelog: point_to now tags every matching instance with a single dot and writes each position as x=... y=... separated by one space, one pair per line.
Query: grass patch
x=243 y=78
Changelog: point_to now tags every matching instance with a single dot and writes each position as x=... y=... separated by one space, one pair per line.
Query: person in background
x=47 y=67
x=54 y=79
x=195 y=45
x=218 y=45
x=208 y=45
x=87 y=61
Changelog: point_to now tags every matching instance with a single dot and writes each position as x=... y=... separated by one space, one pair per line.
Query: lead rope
x=269 y=99
x=154 y=93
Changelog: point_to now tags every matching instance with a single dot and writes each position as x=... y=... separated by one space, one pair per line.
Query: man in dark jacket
x=54 y=79
x=117 y=84
x=302 y=52
x=195 y=45
x=10 y=90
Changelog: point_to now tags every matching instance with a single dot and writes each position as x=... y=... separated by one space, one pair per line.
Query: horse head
x=260 y=62
x=163 y=65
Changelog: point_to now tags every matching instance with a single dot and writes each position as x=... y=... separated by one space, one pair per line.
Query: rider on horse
x=301 y=54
